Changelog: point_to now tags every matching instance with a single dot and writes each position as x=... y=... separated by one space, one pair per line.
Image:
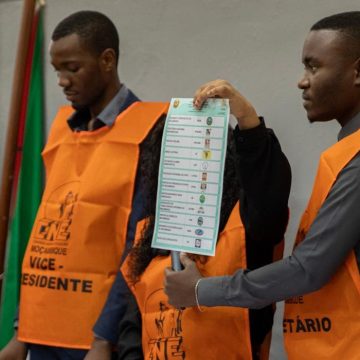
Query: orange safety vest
x=325 y=324
x=80 y=230
x=216 y=333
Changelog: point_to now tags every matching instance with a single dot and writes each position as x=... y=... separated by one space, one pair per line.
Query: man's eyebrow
x=307 y=59
x=67 y=62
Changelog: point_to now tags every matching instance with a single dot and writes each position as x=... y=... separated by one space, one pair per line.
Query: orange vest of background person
x=216 y=333
x=325 y=324
x=79 y=233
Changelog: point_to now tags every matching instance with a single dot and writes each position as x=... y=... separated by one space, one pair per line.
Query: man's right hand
x=179 y=286
x=14 y=350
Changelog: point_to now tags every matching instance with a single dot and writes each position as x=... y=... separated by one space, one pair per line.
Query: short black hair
x=348 y=23
x=96 y=31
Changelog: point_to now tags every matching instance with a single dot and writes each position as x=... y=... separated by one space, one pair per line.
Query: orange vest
x=80 y=230
x=325 y=324
x=216 y=333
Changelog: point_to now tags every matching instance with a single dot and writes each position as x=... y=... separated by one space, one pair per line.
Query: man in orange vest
x=320 y=281
x=92 y=199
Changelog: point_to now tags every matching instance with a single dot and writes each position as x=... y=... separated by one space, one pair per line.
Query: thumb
x=185 y=260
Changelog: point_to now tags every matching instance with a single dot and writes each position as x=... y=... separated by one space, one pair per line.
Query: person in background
x=320 y=281
x=91 y=202
x=254 y=215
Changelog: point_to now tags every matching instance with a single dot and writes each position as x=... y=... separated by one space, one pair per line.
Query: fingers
x=185 y=260
x=179 y=285
x=215 y=88
x=167 y=279
x=168 y=271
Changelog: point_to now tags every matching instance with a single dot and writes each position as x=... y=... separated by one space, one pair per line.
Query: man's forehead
x=71 y=41
x=325 y=36
x=322 y=41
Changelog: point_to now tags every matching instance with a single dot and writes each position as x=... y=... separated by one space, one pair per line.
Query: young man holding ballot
x=323 y=321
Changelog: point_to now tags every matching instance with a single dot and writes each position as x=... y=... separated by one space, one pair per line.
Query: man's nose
x=63 y=81
x=303 y=83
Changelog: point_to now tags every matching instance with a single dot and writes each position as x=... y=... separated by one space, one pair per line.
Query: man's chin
x=77 y=106
x=311 y=120
x=318 y=117
x=311 y=117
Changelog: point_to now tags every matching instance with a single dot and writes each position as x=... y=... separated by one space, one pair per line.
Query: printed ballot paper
x=191 y=175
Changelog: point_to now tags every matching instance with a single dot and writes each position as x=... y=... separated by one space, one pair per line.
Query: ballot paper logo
x=199 y=232
x=206 y=155
x=202 y=198
x=209 y=120
x=198 y=243
x=207 y=144
x=200 y=220
x=204 y=176
x=176 y=103
x=204 y=165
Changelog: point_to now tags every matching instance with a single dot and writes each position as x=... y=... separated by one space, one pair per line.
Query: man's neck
x=109 y=94
x=351 y=126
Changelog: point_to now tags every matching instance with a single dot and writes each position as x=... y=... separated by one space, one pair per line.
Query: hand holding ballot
x=180 y=286
x=240 y=107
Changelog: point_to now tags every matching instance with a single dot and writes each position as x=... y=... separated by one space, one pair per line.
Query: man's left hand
x=180 y=285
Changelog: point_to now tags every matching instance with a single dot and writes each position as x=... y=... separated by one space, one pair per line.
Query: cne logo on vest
x=43 y=265
x=55 y=225
x=164 y=329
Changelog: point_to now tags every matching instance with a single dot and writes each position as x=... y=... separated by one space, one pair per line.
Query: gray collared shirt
x=79 y=119
x=333 y=234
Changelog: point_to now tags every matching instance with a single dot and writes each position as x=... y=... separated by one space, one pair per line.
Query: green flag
x=29 y=187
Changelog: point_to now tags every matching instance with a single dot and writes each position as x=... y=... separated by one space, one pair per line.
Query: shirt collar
x=79 y=119
x=111 y=111
x=350 y=127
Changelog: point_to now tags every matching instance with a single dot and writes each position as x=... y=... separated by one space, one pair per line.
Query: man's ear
x=357 y=72
x=108 y=59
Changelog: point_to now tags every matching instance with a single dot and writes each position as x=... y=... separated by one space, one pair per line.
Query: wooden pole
x=12 y=130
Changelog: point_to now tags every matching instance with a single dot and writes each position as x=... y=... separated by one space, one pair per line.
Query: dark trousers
x=42 y=352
